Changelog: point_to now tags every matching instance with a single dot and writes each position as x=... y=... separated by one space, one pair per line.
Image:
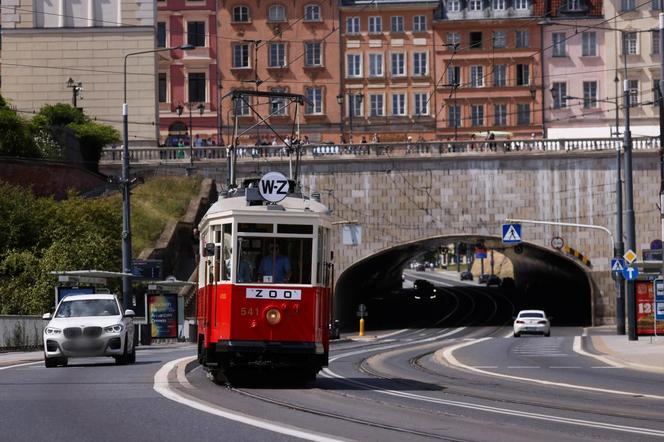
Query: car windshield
x=531 y=315
x=88 y=307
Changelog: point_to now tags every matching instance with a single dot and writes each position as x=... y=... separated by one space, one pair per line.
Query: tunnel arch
x=544 y=278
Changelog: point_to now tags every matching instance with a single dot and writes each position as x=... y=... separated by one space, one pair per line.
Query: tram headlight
x=273 y=316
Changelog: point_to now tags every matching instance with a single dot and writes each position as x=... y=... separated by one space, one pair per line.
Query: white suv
x=89 y=325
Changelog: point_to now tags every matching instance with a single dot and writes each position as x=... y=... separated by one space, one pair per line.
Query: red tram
x=264 y=285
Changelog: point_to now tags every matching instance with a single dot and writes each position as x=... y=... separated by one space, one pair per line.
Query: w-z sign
x=273 y=187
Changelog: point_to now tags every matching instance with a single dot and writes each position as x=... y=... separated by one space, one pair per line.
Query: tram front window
x=274 y=260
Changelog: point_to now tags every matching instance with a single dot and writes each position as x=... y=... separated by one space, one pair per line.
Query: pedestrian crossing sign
x=512 y=233
x=617 y=265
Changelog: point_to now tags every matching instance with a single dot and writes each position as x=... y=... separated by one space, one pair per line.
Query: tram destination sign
x=273 y=187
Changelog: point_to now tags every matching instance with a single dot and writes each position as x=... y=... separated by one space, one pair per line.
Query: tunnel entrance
x=542 y=279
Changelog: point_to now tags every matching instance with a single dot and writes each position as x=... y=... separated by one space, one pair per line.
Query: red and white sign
x=645 y=309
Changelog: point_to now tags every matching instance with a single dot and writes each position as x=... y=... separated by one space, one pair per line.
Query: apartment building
x=488 y=54
x=575 y=81
x=636 y=47
x=187 y=90
x=388 y=71
x=280 y=46
x=47 y=42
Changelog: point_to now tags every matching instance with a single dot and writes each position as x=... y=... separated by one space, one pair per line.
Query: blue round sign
x=630 y=273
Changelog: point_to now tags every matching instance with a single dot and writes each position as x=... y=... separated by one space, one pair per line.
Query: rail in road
x=368 y=150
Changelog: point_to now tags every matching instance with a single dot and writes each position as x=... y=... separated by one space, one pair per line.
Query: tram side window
x=227 y=247
x=274 y=260
x=322 y=254
x=202 y=264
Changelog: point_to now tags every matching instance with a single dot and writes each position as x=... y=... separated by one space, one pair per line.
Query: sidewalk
x=646 y=354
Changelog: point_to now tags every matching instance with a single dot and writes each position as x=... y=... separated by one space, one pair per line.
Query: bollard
x=361 y=326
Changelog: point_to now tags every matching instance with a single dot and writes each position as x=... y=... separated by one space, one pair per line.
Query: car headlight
x=117 y=328
x=52 y=331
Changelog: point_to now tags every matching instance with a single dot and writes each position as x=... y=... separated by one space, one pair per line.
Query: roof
x=88 y=297
x=290 y=203
x=91 y=273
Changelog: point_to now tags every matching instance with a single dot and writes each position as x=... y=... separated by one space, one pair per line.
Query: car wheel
x=547 y=334
x=50 y=362
x=64 y=361
x=131 y=358
x=516 y=335
x=122 y=360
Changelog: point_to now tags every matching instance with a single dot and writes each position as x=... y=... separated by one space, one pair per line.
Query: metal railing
x=424 y=148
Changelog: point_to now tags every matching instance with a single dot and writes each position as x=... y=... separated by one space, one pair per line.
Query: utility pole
x=629 y=198
x=619 y=250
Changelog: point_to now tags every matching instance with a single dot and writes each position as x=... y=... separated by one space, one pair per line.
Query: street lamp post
x=125 y=182
x=353 y=98
x=76 y=89
x=340 y=101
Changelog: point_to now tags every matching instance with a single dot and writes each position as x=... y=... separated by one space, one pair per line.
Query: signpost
x=362 y=312
x=147 y=269
x=630 y=273
x=511 y=233
x=557 y=242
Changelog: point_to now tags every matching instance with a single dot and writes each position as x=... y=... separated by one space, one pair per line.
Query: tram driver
x=274 y=267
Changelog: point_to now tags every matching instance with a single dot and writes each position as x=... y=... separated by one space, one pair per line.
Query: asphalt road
x=459 y=379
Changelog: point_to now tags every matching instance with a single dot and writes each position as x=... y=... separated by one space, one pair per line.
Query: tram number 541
x=281 y=294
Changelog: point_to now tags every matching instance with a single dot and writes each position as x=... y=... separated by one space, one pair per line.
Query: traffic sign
x=273 y=187
x=512 y=233
x=557 y=242
x=480 y=253
x=617 y=265
x=362 y=311
x=659 y=299
x=630 y=256
x=630 y=273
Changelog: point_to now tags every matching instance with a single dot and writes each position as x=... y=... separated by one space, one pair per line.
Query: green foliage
x=92 y=137
x=15 y=138
x=60 y=114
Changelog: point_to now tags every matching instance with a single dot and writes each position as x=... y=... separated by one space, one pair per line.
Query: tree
x=15 y=137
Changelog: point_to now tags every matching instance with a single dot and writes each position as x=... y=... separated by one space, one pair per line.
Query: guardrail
x=427 y=148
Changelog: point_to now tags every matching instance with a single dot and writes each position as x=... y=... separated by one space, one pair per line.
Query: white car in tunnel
x=532 y=322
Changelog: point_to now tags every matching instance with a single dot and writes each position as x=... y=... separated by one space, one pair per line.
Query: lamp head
x=340 y=99
x=201 y=108
x=178 y=109
x=70 y=82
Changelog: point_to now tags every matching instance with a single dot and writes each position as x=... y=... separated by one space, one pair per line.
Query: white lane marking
x=565 y=366
x=509 y=334
x=522 y=366
x=603 y=366
x=387 y=335
x=448 y=356
x=503 y=411
x=485 y=366
x=577 y=348
x=25 y=364
x=161 y=386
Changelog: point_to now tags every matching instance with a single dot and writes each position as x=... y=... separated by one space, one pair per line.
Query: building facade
x=577 y=102
x=279 y=46
x=47 y=42
x=489 y=56
x=187 y=81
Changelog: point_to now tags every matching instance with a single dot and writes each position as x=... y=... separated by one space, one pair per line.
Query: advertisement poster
x=645 y=309
x=163 y=315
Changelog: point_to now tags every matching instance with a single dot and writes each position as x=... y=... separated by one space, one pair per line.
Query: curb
x=589 y=344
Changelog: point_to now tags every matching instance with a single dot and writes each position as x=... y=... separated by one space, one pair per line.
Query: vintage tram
x=264 y=284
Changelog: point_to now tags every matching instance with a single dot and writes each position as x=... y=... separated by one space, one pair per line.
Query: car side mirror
x=129 y=313
x=46 y=316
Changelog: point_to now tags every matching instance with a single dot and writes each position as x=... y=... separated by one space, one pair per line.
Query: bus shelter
x=164 y=310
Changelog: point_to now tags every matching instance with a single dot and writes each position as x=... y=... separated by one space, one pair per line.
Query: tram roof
x=291 y=204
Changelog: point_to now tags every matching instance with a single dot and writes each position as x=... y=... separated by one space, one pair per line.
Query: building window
x=558 y=44
x=161 y=34
x=454 y=39
x=277 y=57
x=656 y=5
x=241 y=55
x=313 y=53
x=657 y=93
x=499 y=39
x=376 y=105
x=559 y=94
x=399 y=104
x=521 y=39
x=589 y=94
x=353 y=25
x=278 y=104
x=500 y=75
x=523 y=114
x=276 y=13
x=163 y=87
x=353 y=65
x=589 y=44
x=397 y=23
x=196 y=87
x=475 y=40
x=454 y=5
x=630 y=46
x=475 y=5
x=454 y=75
x=633 y=88
x=499 y=5
x=476 y=76
x=573 y=5
x=398 y=64
x=375 y=25
x=500 y=114
x=420 y=63
x=520 y=4
x=355 y=105
x=453 y=116
x=314 y=96
x=655 y=42
x=421 y=104
x=477 y=115
x=240 y=14
x=312 y=13
x=241 y=106
x=375 y=65
x=196 y=33
x=419 y=23
x=628 y=5
x=522 y=74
